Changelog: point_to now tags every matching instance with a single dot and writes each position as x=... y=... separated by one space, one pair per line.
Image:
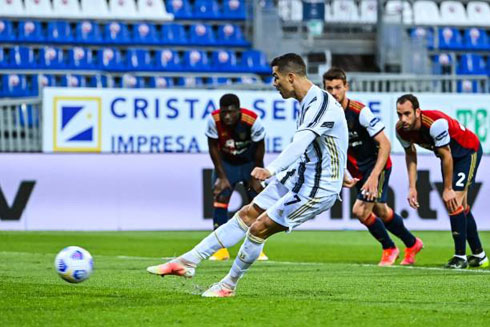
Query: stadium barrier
x=173 y=192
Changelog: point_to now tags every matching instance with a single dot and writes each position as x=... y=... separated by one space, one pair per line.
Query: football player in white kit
x=309 y=173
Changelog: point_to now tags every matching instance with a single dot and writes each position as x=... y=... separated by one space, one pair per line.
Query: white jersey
x=320 y=170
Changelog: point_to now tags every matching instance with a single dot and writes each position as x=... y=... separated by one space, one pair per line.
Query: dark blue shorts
x=382 y=186
x=235 y=175
x=464 y=170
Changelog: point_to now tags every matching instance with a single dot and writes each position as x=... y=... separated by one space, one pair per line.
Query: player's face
x=229 y=115
x=407 y=115
x=337 y=88
x=283 y=83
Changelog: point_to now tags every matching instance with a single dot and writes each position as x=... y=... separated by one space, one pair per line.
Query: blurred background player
x=368 y=161
x=236 y=146
x=460 y=152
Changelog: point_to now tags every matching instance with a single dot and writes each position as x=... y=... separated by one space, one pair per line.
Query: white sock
x=461 y=256
x=480 y=255
x=224 y=236
x=249 y=252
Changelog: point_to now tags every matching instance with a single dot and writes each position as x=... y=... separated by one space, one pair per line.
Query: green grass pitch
x=313 y=279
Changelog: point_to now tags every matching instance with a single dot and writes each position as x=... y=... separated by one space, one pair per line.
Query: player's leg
x=290 y=211
x=226 y=235
x=363 y=211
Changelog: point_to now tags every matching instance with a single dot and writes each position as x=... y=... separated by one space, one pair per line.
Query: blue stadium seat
x=73 y=81
x=116 y=33
x=80 y=58
x=30 y=31
x=97 y=81
x=201 y=34
x=167 y=60
x=476 y=39
x=247 y=80
x=471 y=64
x=6 y=31
x=218 y=81
x=254 y=61
x=206 y=9
x=144 y=33
x=174 y=34
x=196 y=61
x=3 y=59
x=450 y=39
x=36 y=81
x=233 y=9
x=14 y=85
x=88 y=32
x=467 y=86
x=110 y=59
x=131 y=81
x=59 y=32
x=189 y=81
x=20 y=57
x=424 y=34
x=28 y=116
x=224 y=61
x=231 y=35
x=442 y=64
x=160 y=82
x=139 y=60
x=181 y=9
x=51 y=58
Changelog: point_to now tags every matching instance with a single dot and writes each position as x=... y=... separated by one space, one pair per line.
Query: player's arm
x=411 y=161
x=448 y=194
x=349 y=181
x=222 y=181
x=258 y=136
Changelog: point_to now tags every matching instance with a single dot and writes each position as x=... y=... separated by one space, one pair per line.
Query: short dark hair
x=335 y=73
x=290 y=63
x=229 y=99
x=411 y=98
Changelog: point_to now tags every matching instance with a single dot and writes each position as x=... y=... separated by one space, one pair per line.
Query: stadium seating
x=91 y=9
x=11 y=8
x=139 y=60
x=116 y=33
x=110 y=59
x=3 y=58
x=132 y=81
x=160 y=82
x=181 y=9
x=67 y=9
x=174 y=34
x=478 y=13
x=218 y=81
x=201 y=34
x=167 y=60
x=442 y=64
x=80 y=58
x=51 y=58
x=368 y=11
x=189 y=81
x=88 y=32
x=453 y=13
x=233 y=9
x=467 y=86
x=38 y=8
x=397 y=11
x=59 y=32
x=476 y=39
x=30 y=31
x=153 y=9
x=6 y=32
x=224 y=61
x=231 y=35
x=205 y=9
x=144 y=33
x=14 y=85
x=291 y=10
x=254 y=61
x=344 y=11
x=427 y=13
x=450 y=39
x=73 y=81
x=426 y=35
x=123 y=9
x=196 y=61
x=20 y=57
x=471 y=64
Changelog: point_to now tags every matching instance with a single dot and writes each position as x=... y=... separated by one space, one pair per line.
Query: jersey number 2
x=461 y=176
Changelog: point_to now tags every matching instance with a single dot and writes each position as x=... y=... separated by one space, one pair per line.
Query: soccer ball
x=74 y=264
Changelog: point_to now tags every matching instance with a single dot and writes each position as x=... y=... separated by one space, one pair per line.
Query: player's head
x=287 y=70
x=229 y=109
x=335 y=83
x=408 y=111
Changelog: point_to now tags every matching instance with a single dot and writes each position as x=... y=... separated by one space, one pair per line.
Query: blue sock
x=458 y=228
x=220 y=216
x=397 y=228
x=378 y=230
x=472 y=233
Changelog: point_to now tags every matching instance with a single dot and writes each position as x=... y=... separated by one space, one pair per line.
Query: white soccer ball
x=74 y=264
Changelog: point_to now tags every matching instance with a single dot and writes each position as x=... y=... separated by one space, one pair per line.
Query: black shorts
x=464 y=170
x=382 y=195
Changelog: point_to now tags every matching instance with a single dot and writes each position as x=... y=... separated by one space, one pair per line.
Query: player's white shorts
x=290 y=209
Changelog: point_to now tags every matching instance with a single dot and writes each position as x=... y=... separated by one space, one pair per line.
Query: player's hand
x=260 y=173
x=370 y=189
x=349 y=183
x=220 y=185
x=412 y=198
x=256 y=185
x=449 y=198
